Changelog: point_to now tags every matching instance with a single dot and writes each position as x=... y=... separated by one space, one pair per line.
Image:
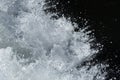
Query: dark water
x=103 y=16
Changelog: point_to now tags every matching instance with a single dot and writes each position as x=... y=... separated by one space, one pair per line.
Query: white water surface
x=35 y=47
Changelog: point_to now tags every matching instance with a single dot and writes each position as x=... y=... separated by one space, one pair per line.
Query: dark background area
x=103 y=16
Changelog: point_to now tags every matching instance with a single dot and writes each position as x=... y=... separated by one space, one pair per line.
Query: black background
x=103 y=16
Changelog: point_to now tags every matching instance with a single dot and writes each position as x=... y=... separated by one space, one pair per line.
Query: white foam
x=34 y=47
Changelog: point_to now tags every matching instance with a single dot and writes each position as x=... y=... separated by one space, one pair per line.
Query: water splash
x=34 y=47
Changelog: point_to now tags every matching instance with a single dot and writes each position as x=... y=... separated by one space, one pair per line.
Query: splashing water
x=34 y=47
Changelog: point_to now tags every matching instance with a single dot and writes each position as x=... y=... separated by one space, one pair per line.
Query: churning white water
x=35 y=47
